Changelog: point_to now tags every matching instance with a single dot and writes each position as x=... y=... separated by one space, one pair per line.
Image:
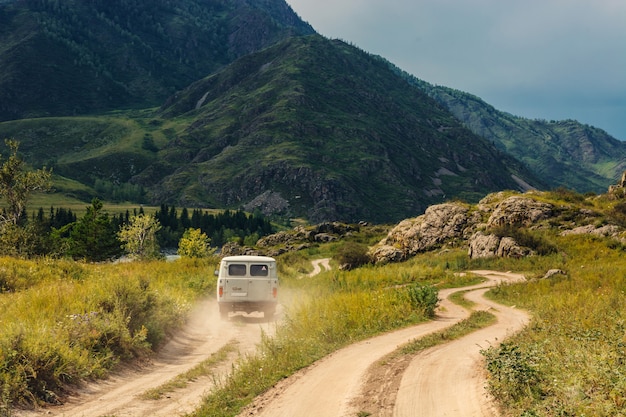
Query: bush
x=352 y=255
x=424 y=298
x=513 y=374
x=195 y=244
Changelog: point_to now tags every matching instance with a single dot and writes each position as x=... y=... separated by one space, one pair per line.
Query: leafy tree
x=22 y=241
x=94 y=236
x=16 y=183
x=139 y=238
x=195 y=244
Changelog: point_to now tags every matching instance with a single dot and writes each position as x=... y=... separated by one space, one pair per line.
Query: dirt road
x=443 y=381
x=318 y=264
x=204 y=334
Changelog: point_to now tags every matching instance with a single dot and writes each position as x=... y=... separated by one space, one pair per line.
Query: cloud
x=559 y=58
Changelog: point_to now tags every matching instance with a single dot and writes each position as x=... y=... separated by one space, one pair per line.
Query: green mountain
x=329 y=129
x=237 y=103
x=75 y=57
x=309 y=127
x=563 y=153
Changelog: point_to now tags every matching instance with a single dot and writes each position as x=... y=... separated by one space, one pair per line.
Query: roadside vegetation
x=65 y=321
x=571 y=360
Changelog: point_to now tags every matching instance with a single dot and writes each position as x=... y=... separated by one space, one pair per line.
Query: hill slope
x=332 y=131
x=75 y=57
x=563 y=153
x=309 y=127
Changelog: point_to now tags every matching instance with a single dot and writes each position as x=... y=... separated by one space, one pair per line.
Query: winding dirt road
x=204 y=334
x=318 y=264
x=445 y=380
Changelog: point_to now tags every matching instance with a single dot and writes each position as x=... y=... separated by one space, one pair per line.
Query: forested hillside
x=239 y=104
x=74 y=57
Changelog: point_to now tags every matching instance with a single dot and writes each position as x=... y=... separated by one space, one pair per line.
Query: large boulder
x=440 y=223
x=489 y=245
x=519 y=211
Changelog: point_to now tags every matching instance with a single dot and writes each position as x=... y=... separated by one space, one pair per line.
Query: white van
x=247 y=284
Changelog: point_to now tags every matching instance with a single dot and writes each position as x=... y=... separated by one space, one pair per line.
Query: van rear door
x=236 y=285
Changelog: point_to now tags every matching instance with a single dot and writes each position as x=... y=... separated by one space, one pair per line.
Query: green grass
x=570 y=360
x=63 y=322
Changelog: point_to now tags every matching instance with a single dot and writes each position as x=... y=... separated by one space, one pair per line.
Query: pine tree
x=94 y=237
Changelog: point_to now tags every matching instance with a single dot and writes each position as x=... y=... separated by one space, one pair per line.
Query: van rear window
x=237 y=270
x=259 y=270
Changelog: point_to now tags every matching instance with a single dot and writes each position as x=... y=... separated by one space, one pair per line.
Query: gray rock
x=605 y=231
x=489 y=245
x=440 y=223
x=519 y=211
x=483 y=246
x=553 y=272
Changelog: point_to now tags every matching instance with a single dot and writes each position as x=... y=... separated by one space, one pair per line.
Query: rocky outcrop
x=618 y=190
x=299 y=238
x=269 y=203
x=489 y=245
x=323 y=232
x=455 y=223
x=609 y=230
x=519 y=211
x=439 y=224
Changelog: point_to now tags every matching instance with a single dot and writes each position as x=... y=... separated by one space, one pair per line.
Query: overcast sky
x=548 y=59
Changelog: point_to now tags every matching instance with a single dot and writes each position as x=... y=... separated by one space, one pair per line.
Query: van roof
x=248 y=258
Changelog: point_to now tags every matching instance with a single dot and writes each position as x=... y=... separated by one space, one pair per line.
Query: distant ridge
x=75 y=57
x=563 y=153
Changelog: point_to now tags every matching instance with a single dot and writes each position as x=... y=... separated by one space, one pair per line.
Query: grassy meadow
x=64 y=321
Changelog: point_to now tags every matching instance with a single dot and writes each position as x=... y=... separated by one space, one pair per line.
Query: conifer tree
x=94 y=237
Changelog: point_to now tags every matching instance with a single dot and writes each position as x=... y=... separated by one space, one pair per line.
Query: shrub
x=513 y=374
x=424 y=298
x=352 y=255
x=195 y=244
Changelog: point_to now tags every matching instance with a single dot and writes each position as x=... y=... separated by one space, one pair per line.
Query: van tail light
x=275 y=292
x=221 y=291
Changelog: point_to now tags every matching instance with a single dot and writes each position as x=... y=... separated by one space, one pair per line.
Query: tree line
x=94 y=236
x=98 y=236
